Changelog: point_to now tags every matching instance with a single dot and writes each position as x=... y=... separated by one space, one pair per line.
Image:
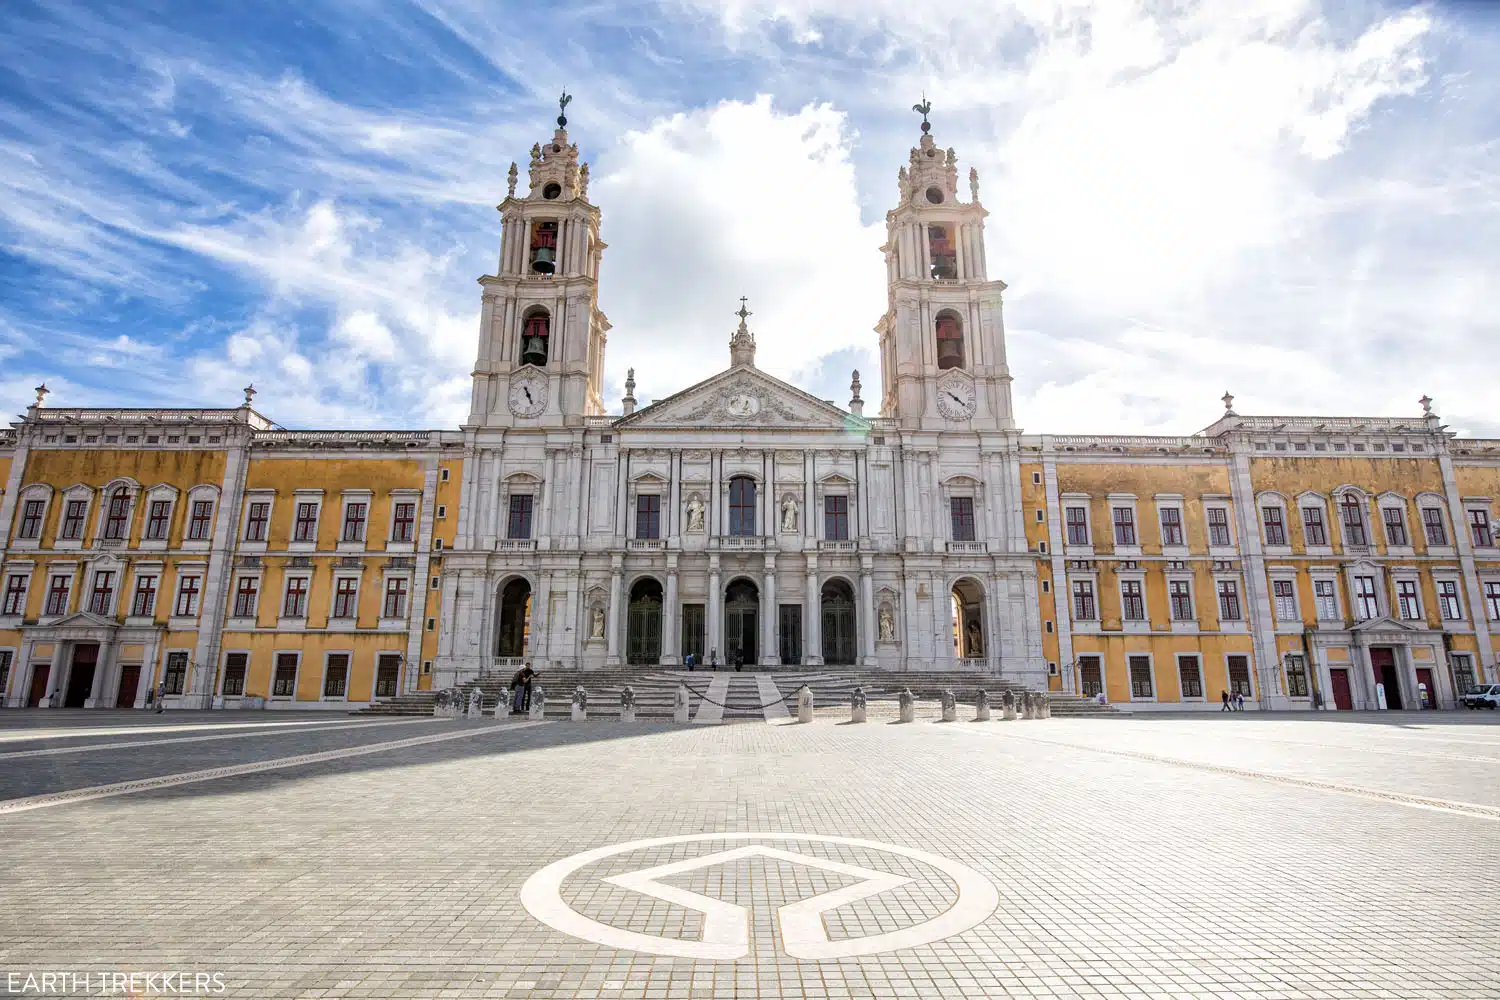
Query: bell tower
x=942 y=338
x=542 y=335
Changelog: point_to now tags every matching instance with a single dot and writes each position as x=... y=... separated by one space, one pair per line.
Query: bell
x=534 y=351
x=542 y=260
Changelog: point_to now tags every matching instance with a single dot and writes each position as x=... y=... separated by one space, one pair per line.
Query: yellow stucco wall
x=1144 y=482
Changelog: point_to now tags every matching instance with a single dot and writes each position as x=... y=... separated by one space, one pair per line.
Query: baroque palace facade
x=1299 y=561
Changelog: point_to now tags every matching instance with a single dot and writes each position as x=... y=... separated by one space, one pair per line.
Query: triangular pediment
x=743 y=397
x=1386 y=624
x=82 y=620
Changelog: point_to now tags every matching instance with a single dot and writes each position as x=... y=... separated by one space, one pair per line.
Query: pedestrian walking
x=1239 y=701
x=1224 y=697
x=690 y=662
x=161 y=698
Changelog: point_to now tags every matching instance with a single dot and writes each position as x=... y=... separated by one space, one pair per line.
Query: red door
x=1424 y=676
x=130 y=681
x=1339 y=678
x=38 y=684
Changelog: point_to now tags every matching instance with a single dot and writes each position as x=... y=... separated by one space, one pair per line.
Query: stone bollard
x=857 y=705
x=950 y=705
x=982 y=706
x=476 y=704
x=1009 y=713
x=538 y=703
x=502 y=708
x=580 y=704
x=804 y=704
x=627 y=704
x=1046 y=700
x=681 y=705
x=1028 y=706
x=908 y=702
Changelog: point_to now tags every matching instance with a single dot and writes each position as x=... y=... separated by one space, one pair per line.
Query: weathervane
x=922 y=109
x=562 y=109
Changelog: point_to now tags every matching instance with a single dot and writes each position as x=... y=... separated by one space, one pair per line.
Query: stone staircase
x=737 y=696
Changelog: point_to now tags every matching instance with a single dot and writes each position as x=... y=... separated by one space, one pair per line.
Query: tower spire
x=742 y=343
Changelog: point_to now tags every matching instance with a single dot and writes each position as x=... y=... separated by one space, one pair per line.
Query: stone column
x=714 y=640
x=669 y=614
x=770 y=656
x=616 y=580
x=866 y=615
x=54 y=672
x=812 y=617
x=542 y=606
x=102 y=667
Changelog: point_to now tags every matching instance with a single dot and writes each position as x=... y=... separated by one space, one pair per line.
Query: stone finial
x=629 y=400
x=510 y=178
x=1426 y=402
x=41 y=393
x=903 y=181
x=583 y=181
x=974 y=185
x=249 y=392
x=742 y=343
x=1228 y=401
x=923 y=108
x=562 y=109
x=856 y=405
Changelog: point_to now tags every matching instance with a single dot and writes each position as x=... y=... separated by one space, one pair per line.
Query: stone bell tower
x=942 y=339
x=542 y=336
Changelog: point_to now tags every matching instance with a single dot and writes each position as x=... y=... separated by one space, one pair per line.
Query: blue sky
x=1290 y=199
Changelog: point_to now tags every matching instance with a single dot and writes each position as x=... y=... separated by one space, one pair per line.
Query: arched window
x=544 y=247
x=117 y=515
x=950 y=340
x=536 y=331
x=1354 y=520
x=940 y=248
x=742 y=506
x=643 y=625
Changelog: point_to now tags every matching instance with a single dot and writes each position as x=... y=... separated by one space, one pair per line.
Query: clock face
x=956 y=399
x=528 y=395
x=743 y=404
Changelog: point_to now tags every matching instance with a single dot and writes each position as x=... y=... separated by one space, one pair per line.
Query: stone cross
x=743 y=313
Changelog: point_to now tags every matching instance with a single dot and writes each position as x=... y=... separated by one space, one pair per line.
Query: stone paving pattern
x=397 y=873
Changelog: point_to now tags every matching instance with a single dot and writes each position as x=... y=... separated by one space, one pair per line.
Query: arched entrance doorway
x=969 y=639
x=514 y=621
x=741 y=622
x=643 y=624
x=839 y=642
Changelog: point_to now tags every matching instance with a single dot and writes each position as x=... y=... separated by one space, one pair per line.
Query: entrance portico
x=1383 y=651
x=84 y=661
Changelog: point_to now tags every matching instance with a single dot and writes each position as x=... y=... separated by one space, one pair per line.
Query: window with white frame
x=143 y=604
x=1448 y=602
x=1432 y=524
x=1408 y=603
x=1132 y=600
x=1479 y=527
x=1171 y=526
x=294 y=601
x=648 y=516
x=1077 y=518
x=1229 y=601
x=1140 y=677
x=336 y=676
x=1275 y=525
x=16 y=585
x=356 y=515
x=1218 y=527
x=1325 y=595
x=117 y=515
x=174 y=677
x=257 y=520
x=284 y=680
x=1492 y=599
x=1124 y=522
x=1314 y=529
x=75 y=512
x=345 y=596
x=1239 y=675
x=188 y=588
x=1190 y=675
x=518 y=524
x=404 y=521
x=1352 y=516
x=1395 y=527
x=305 y=523
x=394 y=605
x=101 y=597
x=235 y=667
x=200 y=520
x=1284 y=595
x=246 y=594
x=961 y=514
x=33 y=513
x=1181 y=594
x=836 y=517
x=1084 y=608
x=58 y=589
x=1463 y=672
x=1296 y=675
x=1366 y=599
x=158 y=520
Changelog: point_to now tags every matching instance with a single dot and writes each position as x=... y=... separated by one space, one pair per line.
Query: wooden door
x=39 y=677
x=130 y=682
x=1339 y=679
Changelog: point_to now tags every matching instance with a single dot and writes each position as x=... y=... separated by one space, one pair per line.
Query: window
x=1463 y=672
x=1395 y=526
x=836 y=518
x=200 y=521
x=5 y=657
x=1078 y=525
x=256 y=520
x=1124 y=526
x=57 y=594
x=1239 y=676
x=395 y=598
x=742 y=506
x=1140 y=677
x=1327 y=601
x=336 y=678
x=244 y=597
x=187 y=597
x=648 y=516
x=1479 y=524
x=103 y=592
x=1296 y=676
x=404 y=524
x=1275 y=528
x=1365 y=599
x=354 y=521
x=72 y=522
x=235 y=665
x=387 y=670
x=158 y=519
x=1181 y=593
x=1432 y=520
x=117 y=516
x=294 y=605
x=1448 y=602
x=1218 y=527
x=15 y=595
x=950 y=341
x=346 y=591
x=144 y=603
x=174 y=679
x=1406 y=600
x=1171 y=526
x=1312 y=524
x=1354 y=520
x=519 y=523
x=284 y=682
x=305 y=527
x=1192 y=677
x=31 y=519
x=1083 y=601
x=1491 y=599
x=961 y=512
x=1229 y=601
x=1284 y=594
x=1132 y=601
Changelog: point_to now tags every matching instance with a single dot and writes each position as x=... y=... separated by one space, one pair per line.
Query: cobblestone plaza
x=1235 y=856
